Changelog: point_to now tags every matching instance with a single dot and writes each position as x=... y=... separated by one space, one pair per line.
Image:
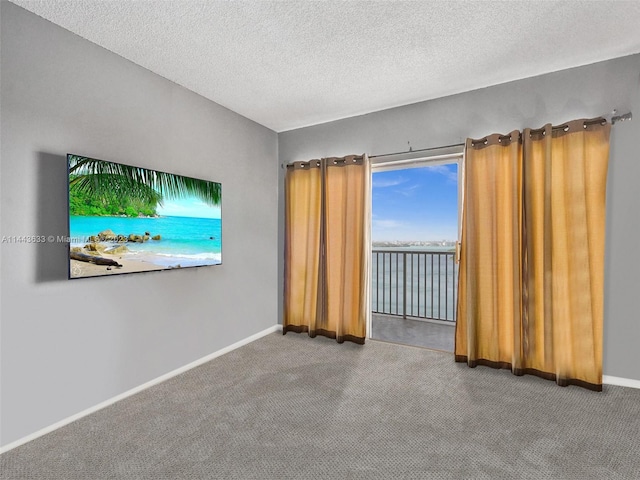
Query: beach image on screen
x=125 y=219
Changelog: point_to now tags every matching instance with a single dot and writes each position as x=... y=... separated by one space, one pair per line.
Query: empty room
x=319 y=239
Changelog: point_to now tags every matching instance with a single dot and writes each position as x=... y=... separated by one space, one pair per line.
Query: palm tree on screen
x=107 y=180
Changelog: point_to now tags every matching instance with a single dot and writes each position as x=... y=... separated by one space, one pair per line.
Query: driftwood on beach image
x=84 y=257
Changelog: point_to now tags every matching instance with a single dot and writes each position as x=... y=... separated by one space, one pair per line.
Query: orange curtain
x=327 y=212
x=303 y=204
x=532 y=256
x=489 y=273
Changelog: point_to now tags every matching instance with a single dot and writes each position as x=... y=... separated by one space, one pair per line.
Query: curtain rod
x=599 y=120
x=614 y=119
x=411 y=150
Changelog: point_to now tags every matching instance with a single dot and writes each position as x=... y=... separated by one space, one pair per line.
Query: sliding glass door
x=414 y=274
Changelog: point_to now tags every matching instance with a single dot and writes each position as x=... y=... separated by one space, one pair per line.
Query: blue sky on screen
x=188 y=207
x=415 y=204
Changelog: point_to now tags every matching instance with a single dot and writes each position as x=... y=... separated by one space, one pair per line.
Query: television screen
x=126 y=219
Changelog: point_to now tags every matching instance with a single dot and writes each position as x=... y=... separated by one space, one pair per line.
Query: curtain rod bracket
x=620 y=118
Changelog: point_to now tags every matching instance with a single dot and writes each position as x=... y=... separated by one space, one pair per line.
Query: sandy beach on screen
x=85 y=269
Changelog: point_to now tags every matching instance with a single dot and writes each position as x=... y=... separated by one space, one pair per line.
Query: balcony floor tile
x=418 y=333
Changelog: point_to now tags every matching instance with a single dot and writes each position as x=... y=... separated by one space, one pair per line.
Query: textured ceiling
x=288 y=64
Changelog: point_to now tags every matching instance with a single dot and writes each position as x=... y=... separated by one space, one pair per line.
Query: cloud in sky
x=387 y=182
x=409 y=190
x=445 y=171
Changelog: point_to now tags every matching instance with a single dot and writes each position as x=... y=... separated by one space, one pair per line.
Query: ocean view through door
x=414 y=274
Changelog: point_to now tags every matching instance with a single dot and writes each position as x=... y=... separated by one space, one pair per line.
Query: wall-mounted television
x=127 y=219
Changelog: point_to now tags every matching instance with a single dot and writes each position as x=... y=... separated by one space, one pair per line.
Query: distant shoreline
x=417 y=243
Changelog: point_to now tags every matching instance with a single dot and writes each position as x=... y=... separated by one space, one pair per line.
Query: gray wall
x=69 y=345
x=588 y=91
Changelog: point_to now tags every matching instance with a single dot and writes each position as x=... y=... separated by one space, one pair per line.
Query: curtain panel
x=532 y=255
x=327 y=205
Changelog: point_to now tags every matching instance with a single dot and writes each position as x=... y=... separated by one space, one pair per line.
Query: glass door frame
x=414 y=160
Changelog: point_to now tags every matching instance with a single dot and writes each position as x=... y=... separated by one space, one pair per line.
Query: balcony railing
x=414 y=283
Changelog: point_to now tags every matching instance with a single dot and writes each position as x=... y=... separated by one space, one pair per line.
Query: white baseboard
x=620 y=382
x=139 y=388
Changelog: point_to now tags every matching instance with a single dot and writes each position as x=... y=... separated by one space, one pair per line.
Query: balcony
x=413 y=297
